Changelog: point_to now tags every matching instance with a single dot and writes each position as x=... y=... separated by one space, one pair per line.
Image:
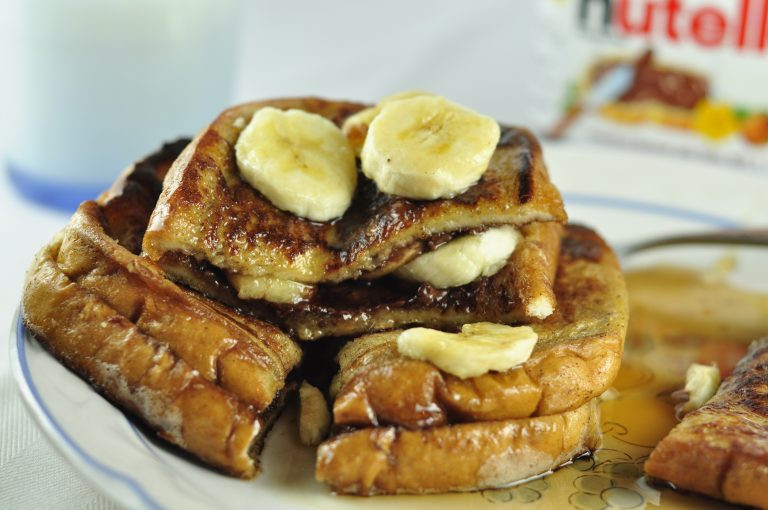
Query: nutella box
x=689 y=76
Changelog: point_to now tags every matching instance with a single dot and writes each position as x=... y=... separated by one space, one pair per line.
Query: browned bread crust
x=205 y=211
x=246 y=357
x=205 y=377
x=137 y=371
x=210 y=378
x=576 y=358
x=470 y=456
x=128 y=204
x=721 y=449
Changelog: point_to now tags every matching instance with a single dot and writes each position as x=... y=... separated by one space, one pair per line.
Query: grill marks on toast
x=511 y=137
x=467 y=456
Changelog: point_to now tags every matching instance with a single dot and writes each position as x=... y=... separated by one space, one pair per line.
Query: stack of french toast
x=414 y=252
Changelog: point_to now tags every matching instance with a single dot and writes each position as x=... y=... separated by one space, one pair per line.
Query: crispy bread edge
x=137 y=372
x=472 y=456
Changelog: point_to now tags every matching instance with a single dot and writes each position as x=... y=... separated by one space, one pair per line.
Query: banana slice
x=427 y=147
x=300 y=161
x=477 y=349
x=701 y=384
x=356 y=126
x=462 y=260
x=272 y=289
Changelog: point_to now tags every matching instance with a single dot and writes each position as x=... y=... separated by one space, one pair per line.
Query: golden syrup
x=677 y=316
x=685 y=308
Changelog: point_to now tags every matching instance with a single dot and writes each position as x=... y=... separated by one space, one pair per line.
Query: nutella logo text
x=744 y=24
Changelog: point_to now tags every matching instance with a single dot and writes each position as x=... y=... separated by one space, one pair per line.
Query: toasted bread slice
x=468 y=456
x=208 y=213
x=246 y=357
x=520 y=291
x=138 y=372
x=576 y=358
x=721 y=449
x=205 y=377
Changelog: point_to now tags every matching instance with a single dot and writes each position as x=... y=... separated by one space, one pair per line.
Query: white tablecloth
x=32 y=473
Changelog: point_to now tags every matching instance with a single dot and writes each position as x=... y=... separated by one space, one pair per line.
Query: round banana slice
x=460 y=261
x=355 y=127
x=300 y=161
x=427 y=147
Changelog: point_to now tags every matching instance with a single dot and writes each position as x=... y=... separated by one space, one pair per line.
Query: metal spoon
x=743 y=237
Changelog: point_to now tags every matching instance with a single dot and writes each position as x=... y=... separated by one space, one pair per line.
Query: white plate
x=626 y=195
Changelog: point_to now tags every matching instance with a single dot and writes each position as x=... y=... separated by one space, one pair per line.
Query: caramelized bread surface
x=521 y=290
x=208 y=213
x=721 y=449
x=138 y=372
x=468 y=456
x=209 y=376
x=575 y=359
x=247 y=357
x=206 y=377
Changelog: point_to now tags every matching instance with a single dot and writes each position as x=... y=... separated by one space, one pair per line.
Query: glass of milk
x=96 y=84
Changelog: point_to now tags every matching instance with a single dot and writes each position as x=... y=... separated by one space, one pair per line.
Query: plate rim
x=55 y=433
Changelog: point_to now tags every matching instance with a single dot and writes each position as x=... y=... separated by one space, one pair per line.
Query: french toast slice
x=249 y=358
x=519 y=292
x=721 y=449
x=205 y=377
x=434 y=432
x=206 y=212
x=460 y=457
x=137 y=372
x=576 y=358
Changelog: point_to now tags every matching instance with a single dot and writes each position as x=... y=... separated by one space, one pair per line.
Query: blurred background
x=92 y=85
x=89 y=86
